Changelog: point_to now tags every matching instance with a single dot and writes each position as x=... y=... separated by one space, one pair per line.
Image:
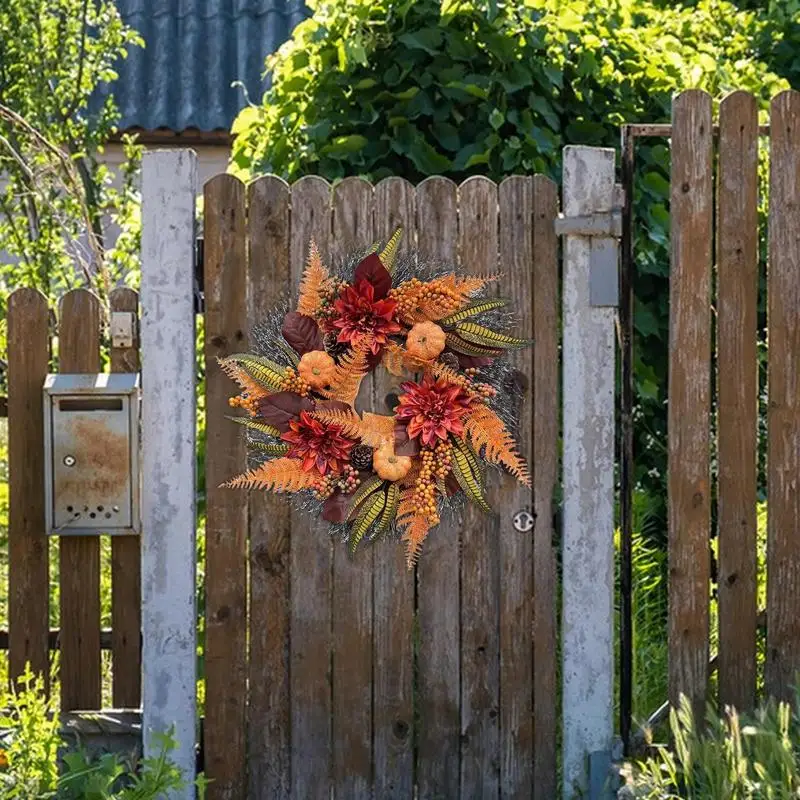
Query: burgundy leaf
x=278 y=409
x=403 y=444
x=465 y=362
x=451 y=484
x=332 y=405
x=372 y=270
x=336 y=507
x=302 y=333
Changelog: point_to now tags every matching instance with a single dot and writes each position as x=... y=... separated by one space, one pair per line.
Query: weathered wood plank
x=311 y=557
x=438 y=572
x=544 y=461
x=689 y=396
x=79 y=571
x=352 y=574
x=515 y=196
x=226 y=516
x=126 y=567
x=393 y=583
x=268 y=710
x=737 y=282
x=783 y=418
x=28 y=352
x=480 y=564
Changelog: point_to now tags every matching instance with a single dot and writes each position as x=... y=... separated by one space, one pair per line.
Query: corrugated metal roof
x=194 y=50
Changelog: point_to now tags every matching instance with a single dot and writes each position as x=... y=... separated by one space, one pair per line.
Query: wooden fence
x=691 y=379
x=80 y=325
x=324 y=670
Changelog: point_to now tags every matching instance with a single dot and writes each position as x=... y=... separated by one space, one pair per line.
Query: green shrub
x=462 y=87
x=732 y=758
x=29 y=758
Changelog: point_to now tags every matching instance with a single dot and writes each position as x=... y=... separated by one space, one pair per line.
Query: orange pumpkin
x=389 y=466
x=425 y=341
x=317 y=369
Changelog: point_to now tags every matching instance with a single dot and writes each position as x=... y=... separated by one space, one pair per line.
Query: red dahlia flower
x=362 y=318
x=322 y=446
x=434 y=409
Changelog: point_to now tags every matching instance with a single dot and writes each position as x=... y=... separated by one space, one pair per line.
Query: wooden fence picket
x=79 y=556
x=311 y=557
x=544 y=461
x=28 y=581
x=225 y=285
x=689 y=487
x=737 y=364
x=353 y=227
x=126 y=567
x=783 y=418
x=438 y=571
x=480 y=563
x=268 y=745
x=393 y=583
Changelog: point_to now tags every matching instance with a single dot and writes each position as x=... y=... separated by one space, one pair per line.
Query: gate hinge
x=603 y=229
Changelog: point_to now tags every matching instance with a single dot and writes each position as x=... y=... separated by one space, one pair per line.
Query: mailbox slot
x=92 y=481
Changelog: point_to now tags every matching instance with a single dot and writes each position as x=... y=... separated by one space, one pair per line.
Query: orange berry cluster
x=435 y=464
x=292 y=382
x=466 y=381
x=485 y=390
x=327 y=295
x=416 y=299
x=245 y=401
x=348 y=481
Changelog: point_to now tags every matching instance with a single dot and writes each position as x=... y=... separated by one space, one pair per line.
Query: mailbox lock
x=69 y=461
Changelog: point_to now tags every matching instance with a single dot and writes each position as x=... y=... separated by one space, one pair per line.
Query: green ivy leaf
x=343 y=146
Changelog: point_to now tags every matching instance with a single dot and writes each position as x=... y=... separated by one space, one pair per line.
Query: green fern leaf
x=467 y=480
x=270 y=448
x=389 y=510
x=360 y=494
x=486 y=337
x=255 y=425
x=262 y=370
x=373 y=507
x=473 y=311
x=468 y=349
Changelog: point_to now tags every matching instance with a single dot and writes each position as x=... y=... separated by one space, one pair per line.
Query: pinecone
x=361 y=457
x=332 y=347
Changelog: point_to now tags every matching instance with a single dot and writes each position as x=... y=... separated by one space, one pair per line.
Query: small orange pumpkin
x=389 y=466
x=317 y=369
x=425 y=341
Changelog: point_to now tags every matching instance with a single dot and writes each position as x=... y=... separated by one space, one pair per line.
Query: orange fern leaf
x=348 y=420
x=279 y=475
x=238 y=374
x=373 y=430
x=486 y=430
x=377 y=429
x=414 y=525
x=349 y=373
x=314 y=276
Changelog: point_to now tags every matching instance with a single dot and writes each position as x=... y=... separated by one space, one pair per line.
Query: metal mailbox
x=91 y=427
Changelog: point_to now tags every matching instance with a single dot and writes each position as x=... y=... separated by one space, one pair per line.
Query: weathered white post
x=589 y=297
x=169 y=183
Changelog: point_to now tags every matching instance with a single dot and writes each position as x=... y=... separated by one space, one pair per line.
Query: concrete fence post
x=589 y=296
x=169 y=184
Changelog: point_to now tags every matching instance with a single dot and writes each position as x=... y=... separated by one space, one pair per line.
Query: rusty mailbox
x=92 y=481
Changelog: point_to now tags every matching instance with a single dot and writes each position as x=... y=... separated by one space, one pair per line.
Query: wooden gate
x=691 y=378
x=354 y=674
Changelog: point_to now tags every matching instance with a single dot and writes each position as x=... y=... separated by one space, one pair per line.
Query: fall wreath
x=369 y=474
